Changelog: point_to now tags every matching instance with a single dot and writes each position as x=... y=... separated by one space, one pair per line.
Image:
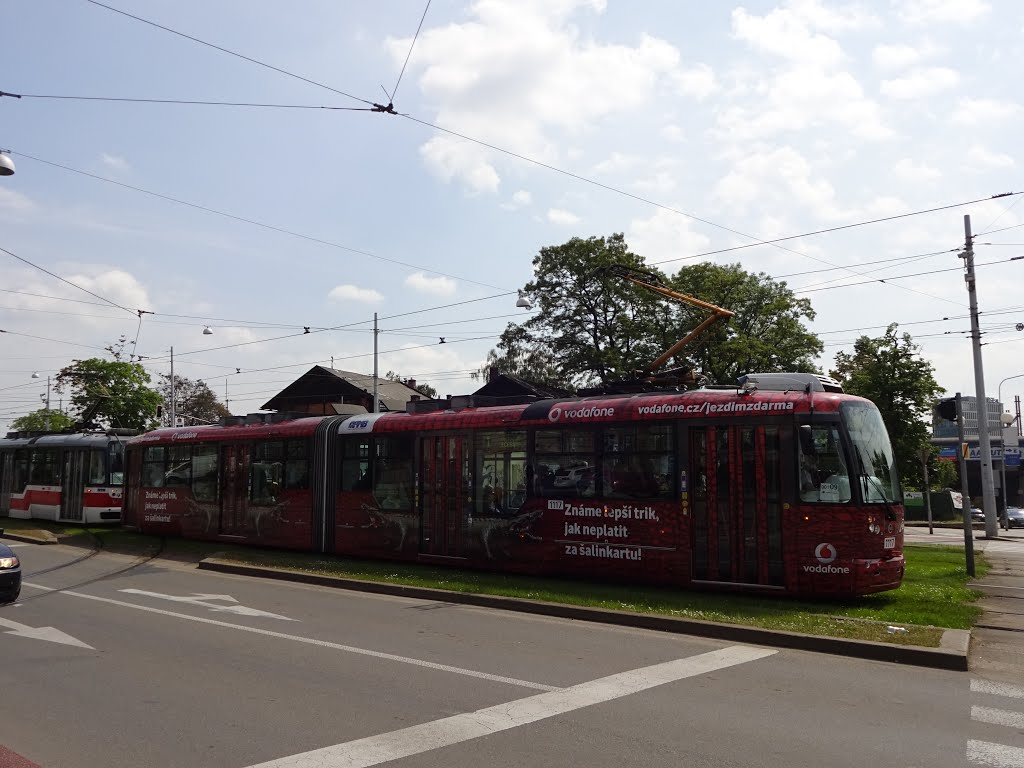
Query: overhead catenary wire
x=480 y=142
x=253 y=222
x=225 y=50
x=184 y=102
x=412 y=45
x=68 y=282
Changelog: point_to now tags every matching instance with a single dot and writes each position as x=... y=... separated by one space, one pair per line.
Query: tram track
x=137 y=563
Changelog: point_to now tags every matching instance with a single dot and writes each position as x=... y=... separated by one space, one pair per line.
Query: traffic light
x=946 y=408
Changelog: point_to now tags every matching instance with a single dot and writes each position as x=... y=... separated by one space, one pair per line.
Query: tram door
x=72 y=485
x=444 y=500
x=736 y=505
x=234 y=497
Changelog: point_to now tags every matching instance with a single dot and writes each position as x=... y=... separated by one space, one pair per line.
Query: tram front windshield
x=873 y=453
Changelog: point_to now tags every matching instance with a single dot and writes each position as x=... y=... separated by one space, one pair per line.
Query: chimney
x=411 y=383
x=493 y=374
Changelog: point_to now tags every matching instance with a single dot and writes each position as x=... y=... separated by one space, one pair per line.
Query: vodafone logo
x=587 y=412
x=825 y=553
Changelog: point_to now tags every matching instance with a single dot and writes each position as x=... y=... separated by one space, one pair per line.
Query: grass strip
x=934 y=595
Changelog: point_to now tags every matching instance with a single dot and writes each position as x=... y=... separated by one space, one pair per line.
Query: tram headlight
x=8 y=562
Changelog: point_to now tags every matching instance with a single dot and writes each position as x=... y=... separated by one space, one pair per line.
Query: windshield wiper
x=890 y=513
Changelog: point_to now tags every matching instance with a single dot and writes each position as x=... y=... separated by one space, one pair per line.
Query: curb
x=951 y=654
x=27 y=539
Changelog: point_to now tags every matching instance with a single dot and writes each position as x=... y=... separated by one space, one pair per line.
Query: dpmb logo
x=826 y=554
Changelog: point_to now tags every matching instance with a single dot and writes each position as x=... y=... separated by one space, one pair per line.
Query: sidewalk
x=997 y=648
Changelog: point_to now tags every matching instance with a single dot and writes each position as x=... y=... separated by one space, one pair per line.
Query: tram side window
x=500 y=473
x=392 y=472
x=117 y=463
x=97 y=474
x=639 y=462
x=355 y=465
x=153 y=461
x=267 y=472
x=179 y=465
x=296 y=466
x=823 y=473
x=45 y=467
x=20 y=475
x=204 y=472
x=566 y=463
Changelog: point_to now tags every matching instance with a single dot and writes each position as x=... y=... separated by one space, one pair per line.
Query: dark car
x=1015 y=517
x=977 y=515
x=10 y=575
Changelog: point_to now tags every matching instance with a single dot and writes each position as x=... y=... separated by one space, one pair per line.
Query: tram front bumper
x=878 y=575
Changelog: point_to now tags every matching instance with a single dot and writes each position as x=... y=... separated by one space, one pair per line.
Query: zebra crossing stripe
x=998 y=717
x=994 y=755
x=997 y=689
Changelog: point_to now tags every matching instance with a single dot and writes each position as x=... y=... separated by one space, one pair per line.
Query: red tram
x=76 y=477
x=782 y=484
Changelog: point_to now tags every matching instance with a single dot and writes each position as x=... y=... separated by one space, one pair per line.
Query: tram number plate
x=889 y=543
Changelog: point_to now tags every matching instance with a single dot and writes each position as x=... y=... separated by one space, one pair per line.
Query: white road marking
x=385 y=747
x=307 y=640
x=50 y=634
x=996 y=586
x=995 y=755
x=997 y=689
x=198 y=599
x=12 y=545
x=998 y=716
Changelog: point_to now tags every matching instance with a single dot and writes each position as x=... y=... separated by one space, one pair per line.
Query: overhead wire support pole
x=376 y=400
x=174 y=421
x=965 y=495
x=984 y=439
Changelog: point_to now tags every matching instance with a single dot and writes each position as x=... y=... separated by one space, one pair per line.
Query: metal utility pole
x=984 y=441
x=965 y=495
x=925 y=455
x=376 y=401
x=174 y=421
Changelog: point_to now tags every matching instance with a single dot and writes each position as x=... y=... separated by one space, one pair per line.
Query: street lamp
x=207 y=331
x=6 y=164
x=523 y=302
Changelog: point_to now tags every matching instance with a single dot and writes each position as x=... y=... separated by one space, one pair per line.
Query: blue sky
x=769 y=118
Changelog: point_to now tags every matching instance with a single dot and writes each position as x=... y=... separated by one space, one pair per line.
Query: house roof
x=506 y=385
x=330 y=385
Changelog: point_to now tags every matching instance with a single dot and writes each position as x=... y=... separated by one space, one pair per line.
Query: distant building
x=505 y=385
x=328 y=391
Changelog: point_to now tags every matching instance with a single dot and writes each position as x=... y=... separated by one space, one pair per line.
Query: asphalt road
x=151 y=665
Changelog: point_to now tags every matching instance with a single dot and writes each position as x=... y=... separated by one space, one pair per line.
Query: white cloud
x=810 y=89
x=980 y=156
x=520 y=199
x=617 y=161
x=559 y=216
x=907 y=170
x=116 y=162
x=673 y=133
x=665 y=235
x=698 y=81
x=355 y=293
x=939 y=11
x=436 y=286
x=12 y=201
x=782 y=174
x=920 y=83
x=899 y=56
x=117 y=285
x=518 y=74
x=984 y=111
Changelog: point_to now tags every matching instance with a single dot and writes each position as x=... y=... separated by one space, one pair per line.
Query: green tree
x=117 y=390
x=891 y=373
x=593 y=327
x=944 y=475
x=43 y=420
x=424 y=389
x=193 y=399
x=767 y=333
